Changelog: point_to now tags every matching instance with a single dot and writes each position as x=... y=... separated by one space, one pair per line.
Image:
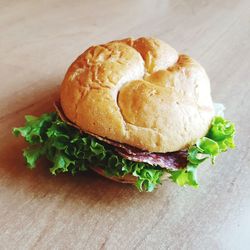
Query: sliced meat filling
x=174 y=160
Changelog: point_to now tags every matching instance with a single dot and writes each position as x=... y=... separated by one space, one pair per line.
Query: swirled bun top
x=139 y=92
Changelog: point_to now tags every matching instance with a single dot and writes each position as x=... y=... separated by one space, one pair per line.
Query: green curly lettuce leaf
x=71 y=151
x=219 y=138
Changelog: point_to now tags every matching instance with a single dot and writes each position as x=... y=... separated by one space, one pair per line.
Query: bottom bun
x=129 y=179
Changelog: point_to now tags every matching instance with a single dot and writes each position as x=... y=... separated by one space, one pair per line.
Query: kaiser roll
x=139 y=92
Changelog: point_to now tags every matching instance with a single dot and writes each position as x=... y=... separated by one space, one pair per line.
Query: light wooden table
x=38 y=41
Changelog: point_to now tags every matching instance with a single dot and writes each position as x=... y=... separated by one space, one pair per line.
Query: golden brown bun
x=139 y=92
x=128 y=179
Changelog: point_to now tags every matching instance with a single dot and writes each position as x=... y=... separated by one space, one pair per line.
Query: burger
x=135 y=111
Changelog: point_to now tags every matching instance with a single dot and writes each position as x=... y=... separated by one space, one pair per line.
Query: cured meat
x=173 y=161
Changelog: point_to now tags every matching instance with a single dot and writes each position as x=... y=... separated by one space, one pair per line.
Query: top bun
x=139 y=92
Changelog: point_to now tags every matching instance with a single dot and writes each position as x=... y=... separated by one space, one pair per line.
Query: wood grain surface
x=38 y=41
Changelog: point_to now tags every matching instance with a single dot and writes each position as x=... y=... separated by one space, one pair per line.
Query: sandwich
x=135 y=111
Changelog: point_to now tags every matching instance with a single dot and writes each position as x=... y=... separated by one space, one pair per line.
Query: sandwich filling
x=71 y=150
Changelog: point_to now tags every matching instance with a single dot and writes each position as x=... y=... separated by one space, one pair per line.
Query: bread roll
x=139 y=92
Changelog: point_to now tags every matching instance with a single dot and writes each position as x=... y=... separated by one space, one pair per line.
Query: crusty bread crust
x=139 y=92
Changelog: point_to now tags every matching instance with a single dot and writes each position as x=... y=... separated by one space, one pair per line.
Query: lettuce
x=219 y=138
x=69 y=150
